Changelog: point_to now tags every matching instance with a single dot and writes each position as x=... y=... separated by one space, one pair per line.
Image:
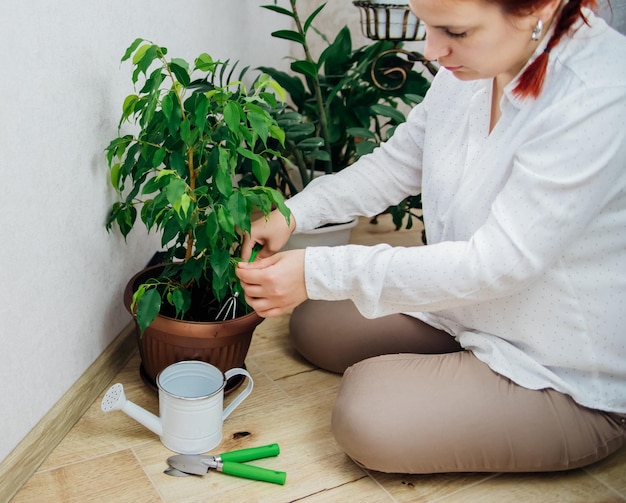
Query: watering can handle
x=242 y=395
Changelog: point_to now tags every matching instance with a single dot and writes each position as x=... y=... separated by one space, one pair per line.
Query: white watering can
x=191 y=405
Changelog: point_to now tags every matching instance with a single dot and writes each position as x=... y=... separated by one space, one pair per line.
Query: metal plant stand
x=395 y=23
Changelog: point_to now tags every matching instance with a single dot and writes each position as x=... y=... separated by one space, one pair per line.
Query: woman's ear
x=548 y=11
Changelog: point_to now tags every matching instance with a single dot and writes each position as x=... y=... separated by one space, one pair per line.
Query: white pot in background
x=330 y=235
x=392 y=22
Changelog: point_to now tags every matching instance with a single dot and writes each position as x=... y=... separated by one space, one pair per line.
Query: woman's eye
x=456 y=35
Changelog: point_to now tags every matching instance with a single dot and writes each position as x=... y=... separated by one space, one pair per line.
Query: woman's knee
x=308 y=334
x=351 y=423
x=370 y=419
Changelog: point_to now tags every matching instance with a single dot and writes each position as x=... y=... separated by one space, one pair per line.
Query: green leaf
x=278 y=89
x=278 y=199
x=148 y=307
x=182 y=205
x=143 y=58
x=159 y=156
x=174 y=190
x=140 y=53
x=296 y=136
x=336 y=57
x=170 y=230
x=261 y=170
x=132 y=48
x=220 y=260
x=205 y=63
x=125 y=217
x=153 y=185
x=181 y=299
x=187 y=134
x=276 y=8
x=320 y=155
x=311 y=143
x=200 y=111
x=225 y=221
x=365 y=147
x=294 y=36
x=180 y=68
x=167 y=105
x=305 y=67
x=232 y=115
x=248 y=154
x=360 y=132
x=239 y=211
x=192 y=270
x=310 y=19
x=129 y=106
x=388 y=111
x=212 y=228
x=291 y=83
x=290 y=120
x=414 y=98
x=176 y=115
x=117 y=147
x=223 y=181
x=177 y=163
x=278 y=133
x=115 y=174
x=259 y=121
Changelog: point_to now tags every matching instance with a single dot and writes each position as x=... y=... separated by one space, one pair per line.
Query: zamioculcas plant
x=194 y=129
x=339 y=112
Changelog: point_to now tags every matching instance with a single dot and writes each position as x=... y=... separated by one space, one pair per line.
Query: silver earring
x=537 y=31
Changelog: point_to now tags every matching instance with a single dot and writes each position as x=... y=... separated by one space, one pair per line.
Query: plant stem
x=192 y=186
x=317 y=89
x=190 y=166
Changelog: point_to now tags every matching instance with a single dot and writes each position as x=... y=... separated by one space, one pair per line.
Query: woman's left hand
x=274 y=285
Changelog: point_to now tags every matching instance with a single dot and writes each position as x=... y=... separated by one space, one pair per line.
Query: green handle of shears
x=252 y=453
x=253 y=472
x=255 y=251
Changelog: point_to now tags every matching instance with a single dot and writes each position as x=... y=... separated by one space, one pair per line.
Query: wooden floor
x=111 y=458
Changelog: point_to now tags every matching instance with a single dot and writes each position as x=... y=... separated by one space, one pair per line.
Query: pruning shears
x=230 y=463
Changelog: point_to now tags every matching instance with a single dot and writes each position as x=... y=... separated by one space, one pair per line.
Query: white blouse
x=526 y=258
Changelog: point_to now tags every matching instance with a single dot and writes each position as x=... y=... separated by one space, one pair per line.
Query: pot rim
x=190 y=398
x=128 y=296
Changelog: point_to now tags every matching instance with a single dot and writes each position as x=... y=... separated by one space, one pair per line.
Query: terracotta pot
x=223 y=344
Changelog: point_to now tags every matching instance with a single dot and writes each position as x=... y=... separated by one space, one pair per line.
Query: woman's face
x=474 y=39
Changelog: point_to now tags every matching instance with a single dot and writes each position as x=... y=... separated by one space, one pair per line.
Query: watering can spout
x=115 y=399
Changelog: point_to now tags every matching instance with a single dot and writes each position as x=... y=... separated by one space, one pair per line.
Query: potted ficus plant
x=342 y=105
x=194 y=129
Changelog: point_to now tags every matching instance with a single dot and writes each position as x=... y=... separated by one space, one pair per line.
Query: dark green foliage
x=196 y=129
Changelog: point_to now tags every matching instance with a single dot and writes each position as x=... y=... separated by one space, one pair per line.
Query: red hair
x=531 y=80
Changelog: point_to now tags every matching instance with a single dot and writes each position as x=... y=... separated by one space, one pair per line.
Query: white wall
x=61 y=90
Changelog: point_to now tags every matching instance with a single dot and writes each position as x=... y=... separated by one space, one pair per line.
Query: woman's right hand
x=271 y=233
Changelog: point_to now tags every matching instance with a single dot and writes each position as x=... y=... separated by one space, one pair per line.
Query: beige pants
x=427 y=406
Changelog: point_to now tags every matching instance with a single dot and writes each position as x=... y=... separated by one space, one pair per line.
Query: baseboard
x=24 y=460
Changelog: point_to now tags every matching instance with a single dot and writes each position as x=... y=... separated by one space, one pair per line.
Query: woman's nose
x=435 y=45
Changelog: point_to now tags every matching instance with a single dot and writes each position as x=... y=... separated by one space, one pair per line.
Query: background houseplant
x=337 y=112
x=196 y=129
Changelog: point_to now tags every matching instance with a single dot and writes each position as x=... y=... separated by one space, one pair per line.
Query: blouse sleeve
x=567 y=182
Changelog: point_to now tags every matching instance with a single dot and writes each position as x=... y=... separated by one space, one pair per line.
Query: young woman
x=501 y=345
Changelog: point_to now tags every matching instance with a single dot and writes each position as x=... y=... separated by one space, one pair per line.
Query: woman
x=499 y=346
